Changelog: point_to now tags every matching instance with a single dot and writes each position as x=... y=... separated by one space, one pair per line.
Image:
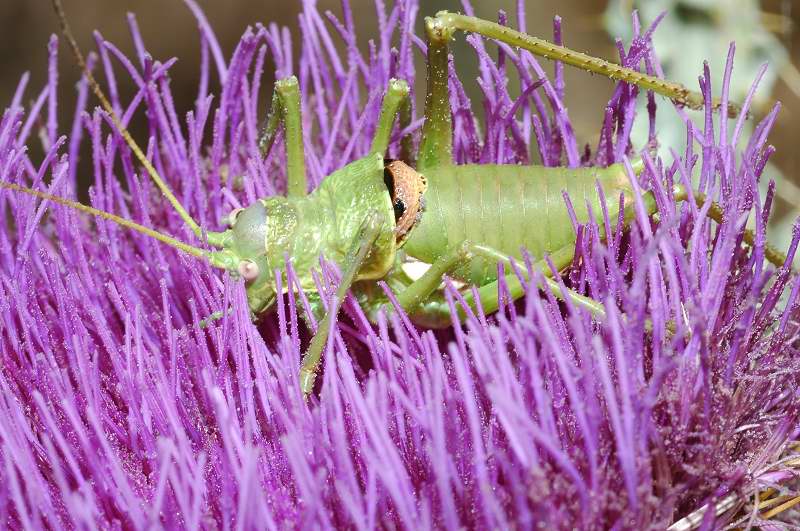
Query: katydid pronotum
x=372 y=214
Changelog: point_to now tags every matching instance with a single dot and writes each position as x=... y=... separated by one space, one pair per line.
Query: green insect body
x=307 y=227
x=484 y=204
x=494 y=205
x=491 y=206
x=371 y=215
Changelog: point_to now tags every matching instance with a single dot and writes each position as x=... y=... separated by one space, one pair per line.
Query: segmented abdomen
x=507 y=207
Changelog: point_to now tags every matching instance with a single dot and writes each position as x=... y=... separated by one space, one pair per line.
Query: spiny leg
x=365 y=239
x=561 y=258
x=436 y=145
x=420 y=290
x=449 y=22
x=395 y=102
x=286 y=108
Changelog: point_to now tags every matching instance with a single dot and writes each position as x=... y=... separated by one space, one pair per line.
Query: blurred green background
x=694 y=30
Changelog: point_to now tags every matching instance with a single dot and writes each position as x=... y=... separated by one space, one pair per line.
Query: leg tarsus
x=218 y=315
x=286 y=108
x=715 y=212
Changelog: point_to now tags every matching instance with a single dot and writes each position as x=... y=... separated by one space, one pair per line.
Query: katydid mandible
x=372 y=214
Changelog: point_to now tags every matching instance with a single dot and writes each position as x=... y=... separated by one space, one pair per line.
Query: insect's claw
x=387 y=308
x=216 y=316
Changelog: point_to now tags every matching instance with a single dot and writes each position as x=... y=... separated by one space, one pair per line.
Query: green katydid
x=372 y=214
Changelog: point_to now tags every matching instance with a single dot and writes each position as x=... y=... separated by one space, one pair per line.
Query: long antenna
x=67 y=32
x=169 y=240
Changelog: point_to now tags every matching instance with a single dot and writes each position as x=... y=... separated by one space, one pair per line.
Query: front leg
x=364 y=241
x=286 y=108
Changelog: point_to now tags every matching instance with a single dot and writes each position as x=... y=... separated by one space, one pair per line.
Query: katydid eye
x=232 y=217
x=248 y=270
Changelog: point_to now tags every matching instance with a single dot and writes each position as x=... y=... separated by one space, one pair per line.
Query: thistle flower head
x=118 y=409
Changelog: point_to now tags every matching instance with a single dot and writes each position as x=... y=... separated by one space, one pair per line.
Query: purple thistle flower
x=118 y=410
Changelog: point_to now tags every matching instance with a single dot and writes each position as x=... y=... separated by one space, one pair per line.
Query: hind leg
x=448 y=23
x=436 y=147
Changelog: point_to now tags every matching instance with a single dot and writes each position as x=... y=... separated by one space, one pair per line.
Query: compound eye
x=233 y=216
x=248 y=270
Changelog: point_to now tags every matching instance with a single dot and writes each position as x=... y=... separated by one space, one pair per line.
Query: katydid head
x=259 y=238
x=326 y=222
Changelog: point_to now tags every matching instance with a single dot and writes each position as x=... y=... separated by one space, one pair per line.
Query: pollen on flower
x=117 y=409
